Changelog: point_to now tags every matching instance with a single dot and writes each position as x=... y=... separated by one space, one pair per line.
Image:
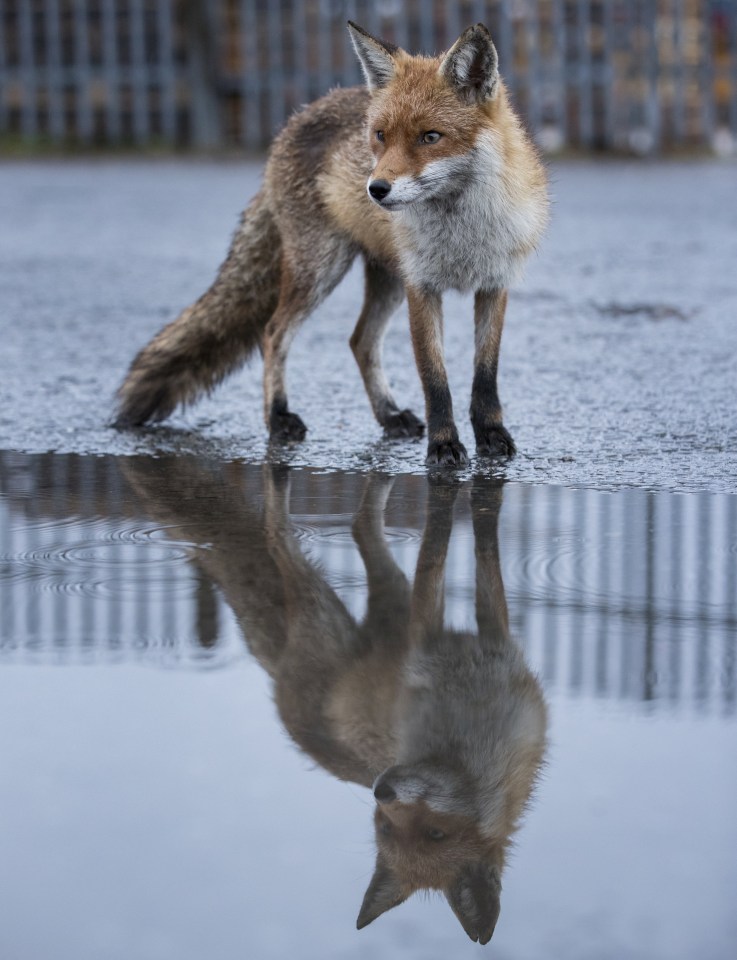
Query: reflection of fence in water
x=83 y=577
x=586 y=73
x=630 y=596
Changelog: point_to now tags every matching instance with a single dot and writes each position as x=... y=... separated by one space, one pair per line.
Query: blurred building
x=632 y=75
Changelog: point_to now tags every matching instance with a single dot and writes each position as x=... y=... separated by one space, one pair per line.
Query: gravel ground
x=618 y=364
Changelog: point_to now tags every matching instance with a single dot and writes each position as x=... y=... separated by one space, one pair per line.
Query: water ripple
x=107 y=562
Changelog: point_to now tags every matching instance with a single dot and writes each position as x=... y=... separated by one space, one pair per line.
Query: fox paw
x=403 y=423
x=495 y=441
x=450 y=453
x=285 y=427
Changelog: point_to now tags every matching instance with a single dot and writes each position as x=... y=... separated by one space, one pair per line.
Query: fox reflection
x=447 y=727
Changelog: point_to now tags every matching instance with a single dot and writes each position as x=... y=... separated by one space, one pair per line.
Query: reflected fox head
x=428 y=837
x=439 y=828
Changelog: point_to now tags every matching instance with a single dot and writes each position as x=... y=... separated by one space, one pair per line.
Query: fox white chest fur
x=474 y=238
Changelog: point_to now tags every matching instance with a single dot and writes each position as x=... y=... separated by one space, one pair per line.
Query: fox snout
x=400 y=785
x=384 y=792
x=439 y=787
x=379 y=189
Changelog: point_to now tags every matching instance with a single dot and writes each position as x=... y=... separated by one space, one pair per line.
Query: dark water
x=205 y=666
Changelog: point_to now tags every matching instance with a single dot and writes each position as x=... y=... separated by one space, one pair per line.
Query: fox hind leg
x=302 y=290
x=383 y=293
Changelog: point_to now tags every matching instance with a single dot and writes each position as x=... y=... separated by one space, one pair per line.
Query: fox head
x=429 y=837
x=426 y=115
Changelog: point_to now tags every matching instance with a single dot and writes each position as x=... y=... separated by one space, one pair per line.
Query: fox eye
x=432 y=136
x=435 y=834
x=380 y=136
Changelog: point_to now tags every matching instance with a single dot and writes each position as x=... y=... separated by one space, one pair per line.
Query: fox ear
x=471 y=66
x=474 y=899
x=383 y=893
x=376 y=57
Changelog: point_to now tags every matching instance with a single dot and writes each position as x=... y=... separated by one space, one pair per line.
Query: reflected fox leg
x=486 y=413
x=301 y=290
x=426 y=325
x=428 y=591
x=315 y=616
x=388 y=590
x=383 y=292
x=297 y=574
x=276 y=501
x=491 y=601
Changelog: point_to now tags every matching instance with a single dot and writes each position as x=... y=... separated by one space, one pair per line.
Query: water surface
x=204 y=666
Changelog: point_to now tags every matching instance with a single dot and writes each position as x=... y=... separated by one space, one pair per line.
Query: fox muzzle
x=379 y=189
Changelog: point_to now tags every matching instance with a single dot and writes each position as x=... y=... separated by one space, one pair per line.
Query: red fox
x=447 y=727
x=429 y=176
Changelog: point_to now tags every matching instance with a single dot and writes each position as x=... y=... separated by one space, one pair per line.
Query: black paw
x=403 y=423
x=286 y=427
x=494 y=441
x=450 y=453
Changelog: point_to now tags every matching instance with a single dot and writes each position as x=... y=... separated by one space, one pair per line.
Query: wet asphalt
x=619 y=360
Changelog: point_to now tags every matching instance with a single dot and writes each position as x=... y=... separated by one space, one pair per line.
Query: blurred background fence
x=633 y=75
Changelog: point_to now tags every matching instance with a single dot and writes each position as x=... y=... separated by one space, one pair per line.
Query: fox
x=448 y=728
x=427 y=174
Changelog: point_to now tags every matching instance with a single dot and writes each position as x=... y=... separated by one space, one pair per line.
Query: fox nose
x=384 y=792
x=379 y=189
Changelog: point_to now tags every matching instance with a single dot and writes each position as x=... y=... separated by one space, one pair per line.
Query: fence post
x=706 y=79
x=206 y=129
x=111 y=72
x=54 y=85
x=3 y=79
x=166 y=74
x=82 y=74
x=29 y=71
x=732 y=28
x=139 y=73
x=584 y=78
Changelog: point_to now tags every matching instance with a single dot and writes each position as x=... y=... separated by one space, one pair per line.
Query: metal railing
x=635 y=75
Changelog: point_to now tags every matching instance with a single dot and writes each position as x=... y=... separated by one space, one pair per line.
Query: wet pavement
x=211 y=651
x=618 y=365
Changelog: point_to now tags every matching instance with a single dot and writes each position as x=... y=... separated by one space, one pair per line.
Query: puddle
x=206 y=666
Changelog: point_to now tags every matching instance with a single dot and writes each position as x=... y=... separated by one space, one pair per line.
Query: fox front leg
x=492 y=439
x=426 y=326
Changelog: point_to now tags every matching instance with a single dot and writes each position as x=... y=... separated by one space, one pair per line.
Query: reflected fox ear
x=471 y=66
x=377 y=57
x=383 y=893
x=474 y=898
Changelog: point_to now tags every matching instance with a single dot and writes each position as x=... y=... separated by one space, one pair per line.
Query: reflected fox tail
x=214 y=336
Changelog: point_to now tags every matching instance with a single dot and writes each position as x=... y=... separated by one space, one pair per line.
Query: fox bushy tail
x=216 y=334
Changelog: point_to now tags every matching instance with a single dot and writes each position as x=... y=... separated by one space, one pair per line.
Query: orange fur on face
x=421 y=863
x=419 y=100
